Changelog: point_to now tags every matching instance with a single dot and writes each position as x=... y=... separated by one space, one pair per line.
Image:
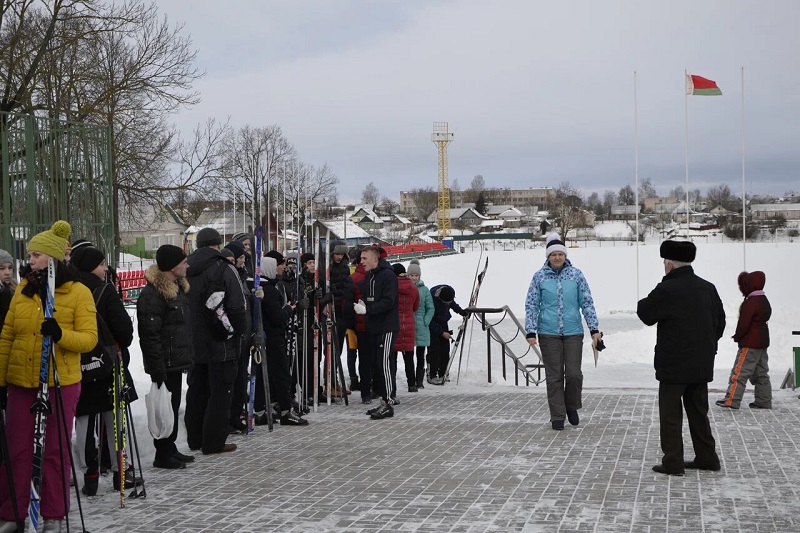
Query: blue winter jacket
x=555 y=301
x=424 y=315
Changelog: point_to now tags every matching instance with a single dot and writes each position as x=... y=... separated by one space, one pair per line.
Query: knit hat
x=236 y=247
x=683 y=251
x=79 y=244
x=399 y=268
x=291 y=260
x=554 y=244
x=306 y=257
x=339 y=247
x=5 y=258
x=277 y=256
x=52 y=242
x=413 y=268
x=227 y=253
x=208 y=237
x=168 y=257
x=242 y=236
x=446 y=294
x=88 y=259
x=269 y=267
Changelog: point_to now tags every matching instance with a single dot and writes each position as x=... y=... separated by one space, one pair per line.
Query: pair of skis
x=258 y=352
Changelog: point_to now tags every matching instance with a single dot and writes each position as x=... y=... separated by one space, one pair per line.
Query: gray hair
x=676 y=264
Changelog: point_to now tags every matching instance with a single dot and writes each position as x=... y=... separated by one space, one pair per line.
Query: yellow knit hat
x=52 y=242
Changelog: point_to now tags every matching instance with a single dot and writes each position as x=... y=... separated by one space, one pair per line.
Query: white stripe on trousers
x=388 y=348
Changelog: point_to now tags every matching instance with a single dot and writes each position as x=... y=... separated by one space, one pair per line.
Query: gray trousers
x=562 y=368
x=751 y=364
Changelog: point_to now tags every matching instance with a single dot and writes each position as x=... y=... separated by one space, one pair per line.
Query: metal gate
x=55 y=169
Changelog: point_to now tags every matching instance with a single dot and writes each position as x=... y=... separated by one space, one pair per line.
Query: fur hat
x=208 y=237
x=683 y=251
x=237 y=248
x=446 y=294
x=169 y=256
x=5 y=258
x=554 y=244
x=269 y=267
x=399 y=268
x=306 y=257
x=277 y=256
x=413 y=268
x=88 y=259
x=339 y=247
x=52 y=242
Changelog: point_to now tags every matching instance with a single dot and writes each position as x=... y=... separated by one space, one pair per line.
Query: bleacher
x=403 y=252
x=131 y=283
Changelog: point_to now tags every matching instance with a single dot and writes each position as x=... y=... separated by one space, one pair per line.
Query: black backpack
x=213 y=301
x=99 y=362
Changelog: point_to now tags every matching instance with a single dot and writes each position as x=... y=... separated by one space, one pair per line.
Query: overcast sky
x=536 y=92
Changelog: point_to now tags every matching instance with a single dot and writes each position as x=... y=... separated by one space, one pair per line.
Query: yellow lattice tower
x=441 y=137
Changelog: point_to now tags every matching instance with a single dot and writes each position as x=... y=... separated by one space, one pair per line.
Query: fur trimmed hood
x=163 y=285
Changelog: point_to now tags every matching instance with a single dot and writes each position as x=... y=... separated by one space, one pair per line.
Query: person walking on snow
x=690 y=320
x=752 y=335
x=422 y=317
x=557 y=296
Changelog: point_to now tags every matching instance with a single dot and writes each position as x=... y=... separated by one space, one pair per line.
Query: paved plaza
x=474 y=459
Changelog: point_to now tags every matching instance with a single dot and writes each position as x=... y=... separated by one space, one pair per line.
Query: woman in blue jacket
x=557 y=296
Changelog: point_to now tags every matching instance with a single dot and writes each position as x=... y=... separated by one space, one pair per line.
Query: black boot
x=130 y=479
x=354 y=383
x=90 y=482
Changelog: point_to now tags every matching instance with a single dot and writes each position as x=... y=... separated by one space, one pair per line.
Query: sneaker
x=373 y=410
x=723 y=403
x=90 y=482
x=694 y=465
x=182 y=457
x=394 y=401
x=52 y=525
x=435 y=380
x=412 y=388
x=168 y=463
x=229 y=447
x=384 y=411
x=261 y=420
x=754 y=405
x=573 y=418
x=661 y=469
x=558 y=424
x=293 y=419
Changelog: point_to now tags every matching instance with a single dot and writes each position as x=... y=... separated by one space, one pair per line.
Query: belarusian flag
x=701 y=86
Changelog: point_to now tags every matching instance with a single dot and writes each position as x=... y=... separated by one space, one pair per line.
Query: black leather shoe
x=694 y=465
x=754 y=405
x=169 y=463
x=573 y=418
x=183 y=457
x=558 y=424
x=661 y=469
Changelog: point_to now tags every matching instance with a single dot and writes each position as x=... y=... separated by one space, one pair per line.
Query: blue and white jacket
x=555 y=301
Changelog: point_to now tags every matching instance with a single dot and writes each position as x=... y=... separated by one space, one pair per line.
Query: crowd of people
x=195 y=316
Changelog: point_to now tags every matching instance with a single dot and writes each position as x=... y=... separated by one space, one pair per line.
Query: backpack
x=213 y=299
x=99 y=362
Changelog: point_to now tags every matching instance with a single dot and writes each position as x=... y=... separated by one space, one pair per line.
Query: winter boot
x=293 y=419
x=90 y=482
x=130 y=479
x=412 y=388
x=573 y=418
x=354 y=384
x=52 y=525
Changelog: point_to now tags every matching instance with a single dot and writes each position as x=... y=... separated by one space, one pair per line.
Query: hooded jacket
x=21 y=341
x=344 y=291
x=556 y=298
x=752 y=330
x=379 y=292
x=205 y=265
x=423 y=315
x=275 y=310
x=441 y=312
x=162 y=312
x=690 y=320
x=407 y=305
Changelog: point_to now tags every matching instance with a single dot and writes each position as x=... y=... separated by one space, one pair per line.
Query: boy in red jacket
x=752 y=335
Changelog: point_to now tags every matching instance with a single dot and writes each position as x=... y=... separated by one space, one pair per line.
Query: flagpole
x=636 y=174
x=686 y=113
x=744 y=201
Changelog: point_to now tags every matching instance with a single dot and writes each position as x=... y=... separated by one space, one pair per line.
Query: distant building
x=765 y=211
x=150 y=227
x=624 y=212
x=529 y=196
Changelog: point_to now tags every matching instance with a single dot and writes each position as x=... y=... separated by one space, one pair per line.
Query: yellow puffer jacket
x=21 y=342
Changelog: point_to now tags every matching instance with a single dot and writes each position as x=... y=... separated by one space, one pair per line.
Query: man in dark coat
x=444 y=299
x=343 y=290
x=216 y=360
x=162 y=312
x=690 y=320
x=379 y=305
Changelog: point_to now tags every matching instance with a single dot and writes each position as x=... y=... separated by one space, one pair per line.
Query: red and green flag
x=700 y=86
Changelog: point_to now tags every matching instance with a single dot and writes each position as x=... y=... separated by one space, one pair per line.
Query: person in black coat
x=96 y=396
x=240 y=397
x=439 y=351
x=690 y=320
x=165 y=332
x=379 y=305
x=275 y=314
x=216 y=360
x=343 y=290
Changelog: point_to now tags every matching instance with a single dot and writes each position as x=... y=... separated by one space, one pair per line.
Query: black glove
x=318 y=293
x=326 y=299
x=158 y=378
x=50 y=328
x=600 y=346
x=464 y=313
x=3 y=398
x=303 y=304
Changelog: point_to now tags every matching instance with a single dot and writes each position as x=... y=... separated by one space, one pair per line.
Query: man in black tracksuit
x=439 y=350
x=379 y=304
x=216 y=360
x=690 y=320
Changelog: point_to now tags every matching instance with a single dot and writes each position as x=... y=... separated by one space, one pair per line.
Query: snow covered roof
x=492 y=223
x=456 y=213
x=368 y=213
x=495 y=210
x=775 y=207
x=344 y=228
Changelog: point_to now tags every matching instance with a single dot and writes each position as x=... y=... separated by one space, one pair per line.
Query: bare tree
x=721 y=195
x=370 y=195
x=425 y=201
x=647 y=190
x=678 y=192
x=567 y=211
x=389 y=206
x=476 y=187
x=626 y=196
x=609 y=198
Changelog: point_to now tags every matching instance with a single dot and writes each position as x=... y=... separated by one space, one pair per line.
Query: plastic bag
x=159 y=411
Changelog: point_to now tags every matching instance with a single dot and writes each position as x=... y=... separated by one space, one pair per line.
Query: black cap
x=88 y=259
x=276 y=255
x=236 y=248
x=168 y=257
x=208 y=237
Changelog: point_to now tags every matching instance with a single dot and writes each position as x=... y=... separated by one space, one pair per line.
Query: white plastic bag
x=159 y=411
